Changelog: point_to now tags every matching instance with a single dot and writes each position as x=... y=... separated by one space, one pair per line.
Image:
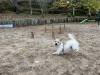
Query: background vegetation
x=71 y=8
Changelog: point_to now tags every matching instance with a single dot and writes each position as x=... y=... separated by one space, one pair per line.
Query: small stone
x=99 y=71
x=36 y=61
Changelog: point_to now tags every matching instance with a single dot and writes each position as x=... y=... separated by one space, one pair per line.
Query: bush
x=64 y=13
x=1 y=10
x=22 y=11
x=69 y=14
x=96 y=19
x=10 y=8
x=36 y=13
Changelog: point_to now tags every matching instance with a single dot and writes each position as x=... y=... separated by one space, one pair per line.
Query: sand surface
x=20 y=54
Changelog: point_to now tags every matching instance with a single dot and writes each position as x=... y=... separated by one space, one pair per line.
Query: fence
x=28 y=22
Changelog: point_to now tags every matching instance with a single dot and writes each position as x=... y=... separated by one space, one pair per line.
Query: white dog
x=62 y=48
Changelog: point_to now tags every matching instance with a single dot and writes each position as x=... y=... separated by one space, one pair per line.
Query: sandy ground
x=37 y=59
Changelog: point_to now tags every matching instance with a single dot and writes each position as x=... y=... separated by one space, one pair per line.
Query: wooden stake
x=32 y=32
x=45 y=29
x=52 y=28
x=64 y=26
x=52 y=34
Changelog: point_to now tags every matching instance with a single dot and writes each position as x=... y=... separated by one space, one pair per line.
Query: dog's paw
x=55 y=53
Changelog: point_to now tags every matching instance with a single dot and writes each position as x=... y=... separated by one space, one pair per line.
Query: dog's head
x=57 y=41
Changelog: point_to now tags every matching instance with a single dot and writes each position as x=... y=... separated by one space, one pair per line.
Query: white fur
x=70 y=44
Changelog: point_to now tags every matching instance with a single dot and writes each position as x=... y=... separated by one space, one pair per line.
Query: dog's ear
x=60 y=39
x=55 y=38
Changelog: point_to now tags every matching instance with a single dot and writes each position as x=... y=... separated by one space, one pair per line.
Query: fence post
x=52 y=34
x=64 y=26
x=45 y=29
x=32 y=32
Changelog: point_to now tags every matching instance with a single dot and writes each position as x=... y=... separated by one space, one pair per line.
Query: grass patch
x=10 y=8
x=36 y=13
x=64 y=14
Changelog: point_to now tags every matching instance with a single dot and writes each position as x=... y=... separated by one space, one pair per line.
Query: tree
x=91 y=5
x=16 y=6
x=60 y=3
x=66 y=3
x=30 y=6
x=43 y=7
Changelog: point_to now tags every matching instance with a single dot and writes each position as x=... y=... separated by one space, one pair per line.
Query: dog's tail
x=71 y=36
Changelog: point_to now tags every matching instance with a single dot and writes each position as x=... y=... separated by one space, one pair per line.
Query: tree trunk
x=30 y=6
x=16 y=6
x=73 y=11
x=89 y=15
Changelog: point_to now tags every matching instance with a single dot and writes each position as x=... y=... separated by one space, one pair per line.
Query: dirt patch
x=38 y=58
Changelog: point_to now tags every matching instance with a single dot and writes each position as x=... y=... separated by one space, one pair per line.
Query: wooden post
x=60 y=29
x=32 y=32
x=45 y=29
x=64 y=26
x=52 y=34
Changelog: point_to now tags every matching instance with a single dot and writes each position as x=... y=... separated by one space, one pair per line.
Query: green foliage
x=24 y=1
x=22 y=11
x=64 y=14
x=9 y=8
x=4 y=4
x=91 y=5
x=51 y=20
x=1 y=10
x=27 y=12
x=35 y=5
x=36 y=13
x=69 y=14
x=96 y=19
x=61 y=3
x=11 y=19
x=80 y=12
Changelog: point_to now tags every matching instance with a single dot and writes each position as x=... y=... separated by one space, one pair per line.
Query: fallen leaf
x=86 y=65
x=45 y=57
x=48 y=56
x=87 y=38
x=36 y=61
x=23 y=49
